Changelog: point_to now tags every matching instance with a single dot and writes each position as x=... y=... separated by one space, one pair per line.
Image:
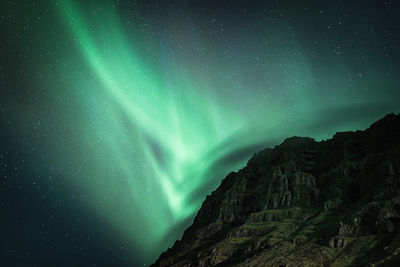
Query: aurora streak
x=154 y=110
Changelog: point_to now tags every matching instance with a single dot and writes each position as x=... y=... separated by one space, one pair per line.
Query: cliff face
x=304 y=203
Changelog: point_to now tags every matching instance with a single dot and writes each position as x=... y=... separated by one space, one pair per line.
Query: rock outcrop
x=304 y=203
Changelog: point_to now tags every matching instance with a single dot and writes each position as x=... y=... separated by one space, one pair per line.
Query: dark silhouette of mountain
x=304 y=203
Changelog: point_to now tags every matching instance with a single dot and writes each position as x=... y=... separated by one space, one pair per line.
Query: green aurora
x=151 y=110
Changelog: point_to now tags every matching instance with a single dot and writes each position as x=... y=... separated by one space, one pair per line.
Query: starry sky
x=118 y=118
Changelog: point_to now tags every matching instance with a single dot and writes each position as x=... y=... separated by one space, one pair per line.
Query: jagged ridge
x=304 y=203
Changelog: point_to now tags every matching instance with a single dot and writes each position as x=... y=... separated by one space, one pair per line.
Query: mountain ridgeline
x=304 y=203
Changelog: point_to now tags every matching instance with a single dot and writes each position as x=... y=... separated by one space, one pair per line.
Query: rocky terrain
x=304 y=203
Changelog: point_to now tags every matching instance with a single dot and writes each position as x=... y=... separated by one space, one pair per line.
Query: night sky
x=117 y=118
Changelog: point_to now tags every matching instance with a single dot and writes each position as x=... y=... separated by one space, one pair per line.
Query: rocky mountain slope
x=304 y=203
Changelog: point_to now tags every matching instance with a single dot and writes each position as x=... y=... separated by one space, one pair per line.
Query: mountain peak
x=295 y=142
x=304 y=203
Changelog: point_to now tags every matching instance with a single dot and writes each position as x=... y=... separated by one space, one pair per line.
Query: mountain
x=304 y=203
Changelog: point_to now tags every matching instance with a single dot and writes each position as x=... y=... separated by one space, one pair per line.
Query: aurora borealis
x=119 y=117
